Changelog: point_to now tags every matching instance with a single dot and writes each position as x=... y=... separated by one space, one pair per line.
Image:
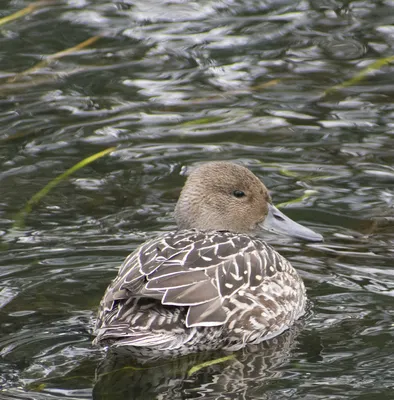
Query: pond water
x=171 y=84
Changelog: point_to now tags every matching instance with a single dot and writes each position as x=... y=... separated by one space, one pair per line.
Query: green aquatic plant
x=55 y=56
x=36 y=198
x=381 y=62
x=21 y=13
x=306 y=195
x=220 y=360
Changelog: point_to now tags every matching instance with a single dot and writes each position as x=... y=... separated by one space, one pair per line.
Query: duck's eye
x=238 y=193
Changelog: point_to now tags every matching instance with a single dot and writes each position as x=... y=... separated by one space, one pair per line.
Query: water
x=172 y=84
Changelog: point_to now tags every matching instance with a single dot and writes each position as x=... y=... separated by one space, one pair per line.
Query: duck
x=213 y=283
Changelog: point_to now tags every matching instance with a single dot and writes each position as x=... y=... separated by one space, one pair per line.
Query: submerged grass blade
x=265 y=85
x=55 y=56
x=362 y=74
x=19 y=220
x=306 y=195
x=21 y=13
x=203 y=121
x=196 y=368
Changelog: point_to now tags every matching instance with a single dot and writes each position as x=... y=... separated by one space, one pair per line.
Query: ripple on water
x=173 y=84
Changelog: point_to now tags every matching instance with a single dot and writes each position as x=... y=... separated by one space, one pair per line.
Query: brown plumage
x=207 y=201
x=209 y=285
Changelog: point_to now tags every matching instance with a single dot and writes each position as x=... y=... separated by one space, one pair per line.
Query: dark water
x=173 y=83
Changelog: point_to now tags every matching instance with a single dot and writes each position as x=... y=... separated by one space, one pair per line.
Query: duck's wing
x=196 y=270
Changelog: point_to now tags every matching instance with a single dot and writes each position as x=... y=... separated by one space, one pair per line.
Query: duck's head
x=223 y=196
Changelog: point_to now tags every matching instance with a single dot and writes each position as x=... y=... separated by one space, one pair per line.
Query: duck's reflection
x=218 y=375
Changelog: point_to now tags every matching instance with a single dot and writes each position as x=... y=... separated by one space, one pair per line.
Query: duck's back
x=188 y=290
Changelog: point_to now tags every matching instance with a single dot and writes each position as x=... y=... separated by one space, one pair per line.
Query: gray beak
x=277 y=222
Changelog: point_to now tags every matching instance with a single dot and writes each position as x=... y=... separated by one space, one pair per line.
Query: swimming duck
x=212 y=284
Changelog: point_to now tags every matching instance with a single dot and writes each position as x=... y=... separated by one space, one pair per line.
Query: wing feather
x=198 y=293
x=195 y=270
x=207 y=314
x=176 y=280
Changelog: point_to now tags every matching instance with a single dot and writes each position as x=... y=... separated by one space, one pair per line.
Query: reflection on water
x=171 y=84
x=244 y=374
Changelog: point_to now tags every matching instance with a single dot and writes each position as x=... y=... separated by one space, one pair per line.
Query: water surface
x=172 y=84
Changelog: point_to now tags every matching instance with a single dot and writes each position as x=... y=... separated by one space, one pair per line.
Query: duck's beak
x=277 y=222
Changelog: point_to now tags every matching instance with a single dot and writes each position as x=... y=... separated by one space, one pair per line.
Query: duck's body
x=197 y=289
x=192 y=291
